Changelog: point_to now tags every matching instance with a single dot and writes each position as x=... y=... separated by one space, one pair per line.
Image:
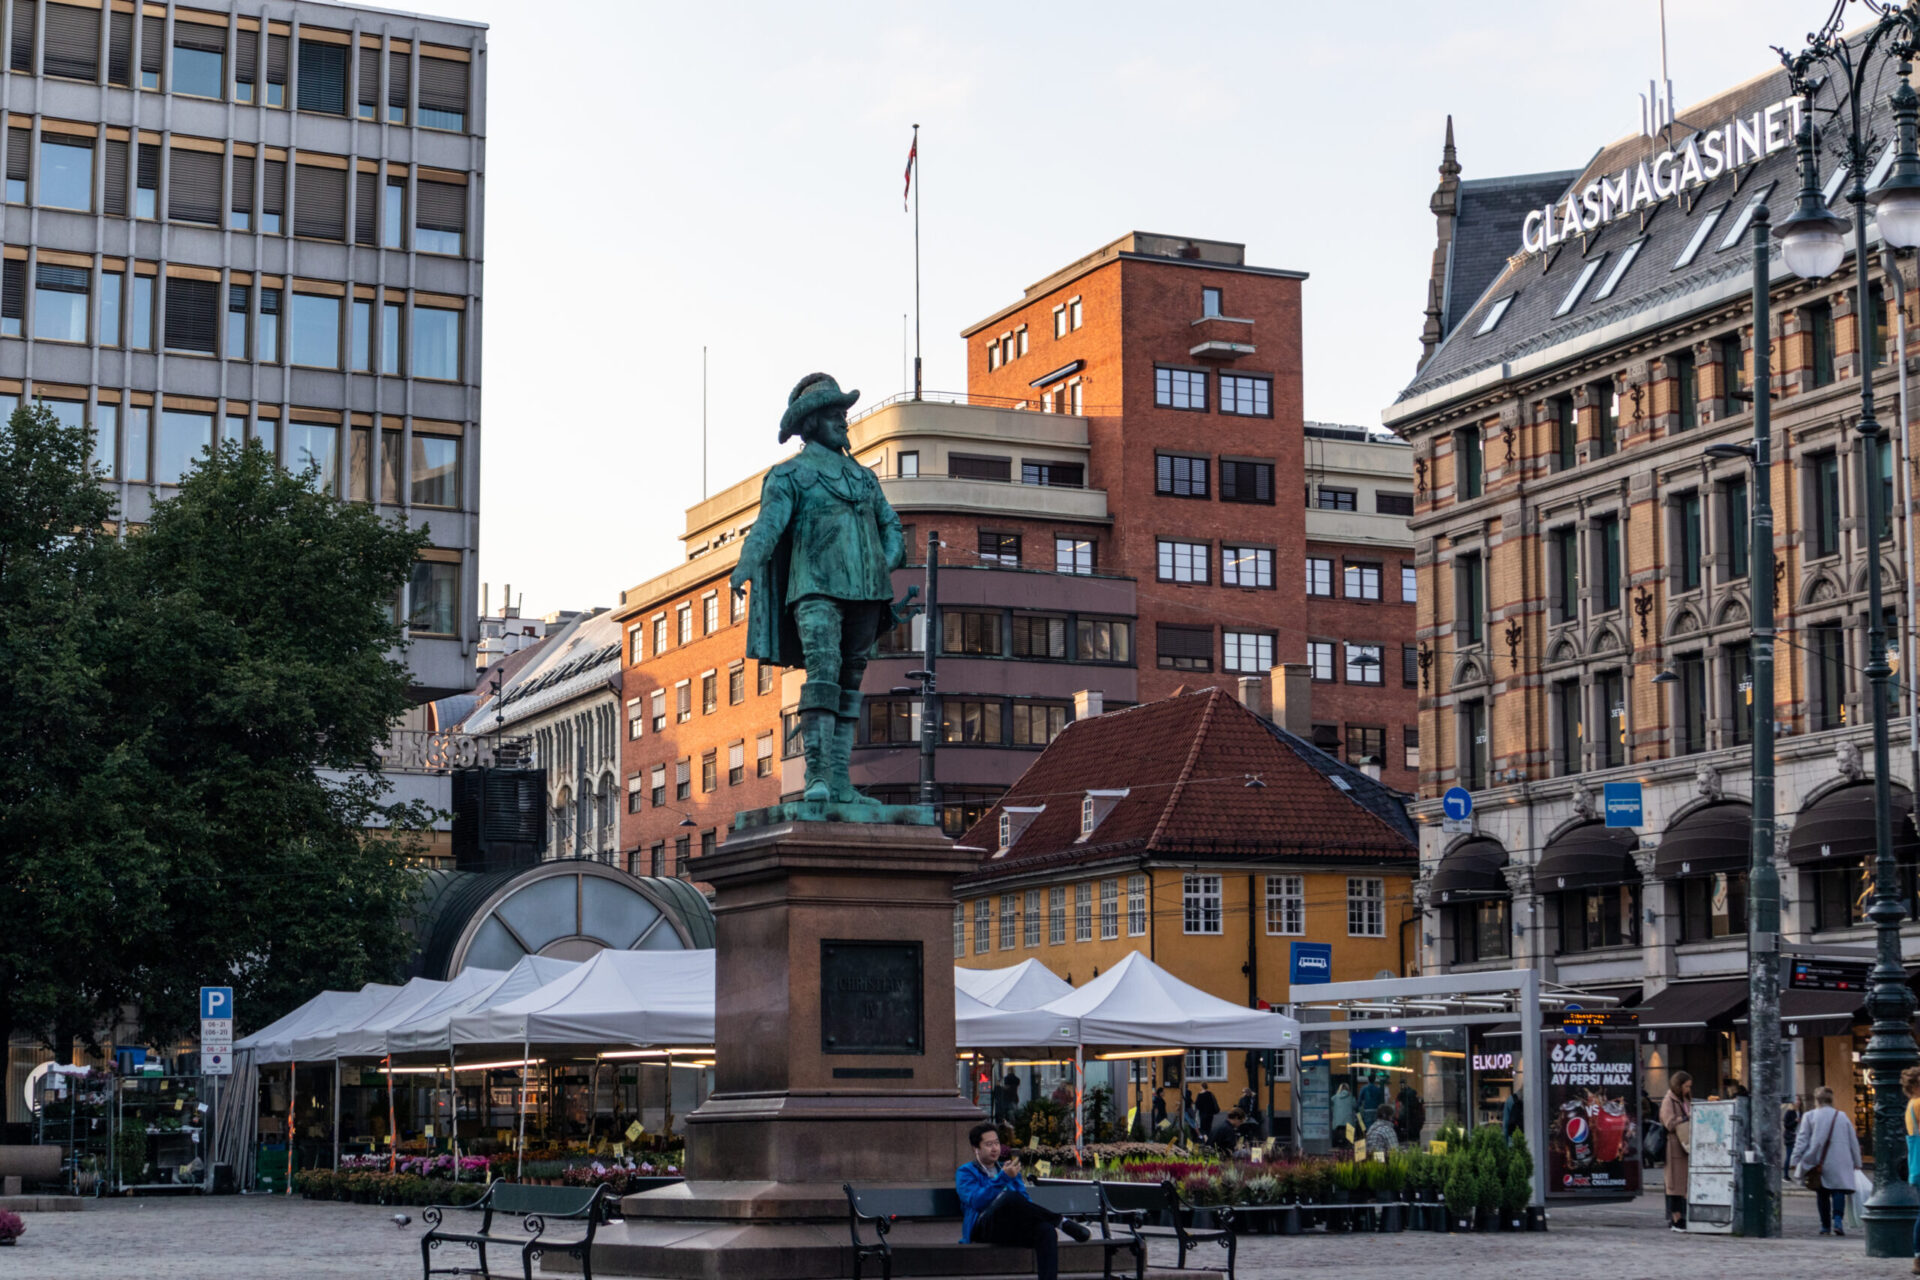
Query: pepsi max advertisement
x=1593 y=1124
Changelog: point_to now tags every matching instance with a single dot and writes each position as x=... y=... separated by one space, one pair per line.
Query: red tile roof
x=1185 y=763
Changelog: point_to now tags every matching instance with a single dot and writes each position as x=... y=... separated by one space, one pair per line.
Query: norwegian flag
x=913 y=154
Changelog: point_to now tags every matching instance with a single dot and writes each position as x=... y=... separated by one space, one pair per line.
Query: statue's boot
x=846 y=724
x=819 y=699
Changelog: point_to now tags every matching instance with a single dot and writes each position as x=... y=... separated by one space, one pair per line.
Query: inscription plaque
x=871 y=998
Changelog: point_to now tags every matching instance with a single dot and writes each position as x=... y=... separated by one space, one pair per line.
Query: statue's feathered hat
x=812 y=393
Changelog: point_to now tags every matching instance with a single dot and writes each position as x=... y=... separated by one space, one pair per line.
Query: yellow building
x=1197 y=831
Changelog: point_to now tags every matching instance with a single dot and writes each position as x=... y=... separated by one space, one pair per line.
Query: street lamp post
x=1812 y=244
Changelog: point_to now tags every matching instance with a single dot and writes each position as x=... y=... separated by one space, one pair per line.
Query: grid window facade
x=1366 y=907
x=1252 y=397
x=959 y=930
x=1057 y=915
x=1136 y=906
x=1073 y=555
x=1247 y=651
x=1030 y=926
x=1109 y=910
x=1286 y=906
x=1009 y=921
x=1180 y=475
x=1320 y=659
x=1362 y=582
x=1083 y=911
x=1363 y=664
x=982 y=926
x=1200 y=904
x=1183 y=561
x=1246 y=566
x=1180 y=389
x=1319 y=576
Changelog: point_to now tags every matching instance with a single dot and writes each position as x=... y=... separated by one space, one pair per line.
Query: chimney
x=1251 y=694
x=1293 y=698
x=483 y=599
x=506 y=603
x=1088 y=703
x=1371 y=768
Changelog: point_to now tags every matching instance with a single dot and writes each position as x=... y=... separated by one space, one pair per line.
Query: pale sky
x=663 y=176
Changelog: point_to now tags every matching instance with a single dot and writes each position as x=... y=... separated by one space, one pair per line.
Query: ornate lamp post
x=1812 y=242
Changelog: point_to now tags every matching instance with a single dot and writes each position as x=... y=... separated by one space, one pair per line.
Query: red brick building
x=1186 y=361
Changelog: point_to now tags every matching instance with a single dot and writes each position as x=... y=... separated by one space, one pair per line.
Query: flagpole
x=916 y=263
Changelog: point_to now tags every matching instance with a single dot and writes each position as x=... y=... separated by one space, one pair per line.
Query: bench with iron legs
x=1163 y=1205
x=536 y=1207
x=883 y=1206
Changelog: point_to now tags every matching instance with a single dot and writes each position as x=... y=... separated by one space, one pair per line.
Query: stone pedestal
x=834 y=1041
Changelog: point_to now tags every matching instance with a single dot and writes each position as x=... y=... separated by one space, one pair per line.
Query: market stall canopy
x=369 y=1039
x=1137 y=1004
x=616 y=998
x=1715 y=840
x=314 y=1012
x=1591 y=856
x=1026 y=985
x=325 y=1013
x=978 y=1025
x=1471 y=872
x=430 y=1029
x=1839 y=826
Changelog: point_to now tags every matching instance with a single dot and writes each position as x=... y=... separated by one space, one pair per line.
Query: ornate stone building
x=1573 y=540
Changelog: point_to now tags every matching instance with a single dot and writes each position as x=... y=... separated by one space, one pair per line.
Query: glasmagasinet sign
x=1699 y=160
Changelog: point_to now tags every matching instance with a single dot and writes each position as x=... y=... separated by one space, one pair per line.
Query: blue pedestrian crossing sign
x=1457 y=804
x=1624 y=805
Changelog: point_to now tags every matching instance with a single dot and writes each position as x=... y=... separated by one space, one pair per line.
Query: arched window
x=1589 y=876
x=1476 y=904
x=1832 y=849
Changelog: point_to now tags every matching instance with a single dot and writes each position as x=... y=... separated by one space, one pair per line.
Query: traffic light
x=1385 y=1057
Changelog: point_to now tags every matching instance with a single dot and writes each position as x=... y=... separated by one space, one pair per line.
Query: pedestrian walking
x=1159 y=1111
x=1510 y=1118
x=1206 y=1107
x=1676 y=1118
x=1343 y=1113
x=1372 y=1094
x=1826 y=1156
x=1009 y=1095
x=1910 y=1082
x=1412 y=1113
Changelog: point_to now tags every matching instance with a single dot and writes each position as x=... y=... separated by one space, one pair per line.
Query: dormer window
x=1094 y=807
x=1013 y=820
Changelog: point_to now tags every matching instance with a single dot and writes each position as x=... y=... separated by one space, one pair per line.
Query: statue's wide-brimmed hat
x=812 y=393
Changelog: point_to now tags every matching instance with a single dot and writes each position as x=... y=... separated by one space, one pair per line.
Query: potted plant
x=1392 y=1185
x=1461 y=1192
x=1533 y=1216
x=12 y=1226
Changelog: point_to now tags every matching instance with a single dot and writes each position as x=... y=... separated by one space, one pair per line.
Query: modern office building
x=258 y=221
x=1584 y=592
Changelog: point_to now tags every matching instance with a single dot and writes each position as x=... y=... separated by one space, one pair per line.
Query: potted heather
x=12 y=1226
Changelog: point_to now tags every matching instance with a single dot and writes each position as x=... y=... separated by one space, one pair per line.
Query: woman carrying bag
x=1826 y=1155
x=1676 y=1118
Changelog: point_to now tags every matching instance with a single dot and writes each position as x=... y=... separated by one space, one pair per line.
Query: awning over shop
x=1687 y=1010
x=1819 y=1012
x=1711 y=841
x=1588 y=857
x=1839 y=826
x=1470 y=872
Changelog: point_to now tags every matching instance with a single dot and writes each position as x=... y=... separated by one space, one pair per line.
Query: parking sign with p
x=216 y=1002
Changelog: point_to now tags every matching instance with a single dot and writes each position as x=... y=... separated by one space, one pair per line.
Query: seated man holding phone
x=993 y=1197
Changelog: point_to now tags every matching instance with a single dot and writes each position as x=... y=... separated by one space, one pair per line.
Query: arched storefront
x=1592 y=886
x=1469 y=888
x=1705 y=855
x=1831 y=852
x=568 y=909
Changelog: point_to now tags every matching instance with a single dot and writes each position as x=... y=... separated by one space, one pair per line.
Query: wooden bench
x=1174 y=1216
x=535 y=1207
x=884 y=1206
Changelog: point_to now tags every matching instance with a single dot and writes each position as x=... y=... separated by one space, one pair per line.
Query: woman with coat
x=1344 y=1109
x=1827 y=1142
x=1676 y=1111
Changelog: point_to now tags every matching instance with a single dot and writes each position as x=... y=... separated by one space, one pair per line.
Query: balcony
x=1222 y=338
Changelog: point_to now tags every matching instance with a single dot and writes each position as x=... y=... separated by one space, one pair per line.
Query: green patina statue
x=820 y=560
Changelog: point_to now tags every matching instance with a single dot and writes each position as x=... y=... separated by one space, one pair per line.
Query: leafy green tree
x=228 y=674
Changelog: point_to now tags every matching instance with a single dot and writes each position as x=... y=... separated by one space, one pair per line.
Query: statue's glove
x=738 y=582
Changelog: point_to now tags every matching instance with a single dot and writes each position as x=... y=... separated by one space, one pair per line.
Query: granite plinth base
x=831 y=1137
x=666 y=1249
x=865 y=812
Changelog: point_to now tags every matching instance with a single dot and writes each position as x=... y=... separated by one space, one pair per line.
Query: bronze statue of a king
x=819 y=561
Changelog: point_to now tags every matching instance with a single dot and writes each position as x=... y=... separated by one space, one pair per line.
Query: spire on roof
x=1445 y=204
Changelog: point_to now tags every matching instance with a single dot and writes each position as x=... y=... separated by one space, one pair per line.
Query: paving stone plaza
x=258 y=1238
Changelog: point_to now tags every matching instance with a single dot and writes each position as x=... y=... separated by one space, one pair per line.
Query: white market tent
x=369 y=1039
x=636 y=998
x=1026 y=985
x=1137 y=1004
x=356 y=1038
x=431 y=1028
x=981 y=1026
x=316 y=1018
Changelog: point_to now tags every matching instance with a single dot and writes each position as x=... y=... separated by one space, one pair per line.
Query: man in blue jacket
x=996 y=1209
